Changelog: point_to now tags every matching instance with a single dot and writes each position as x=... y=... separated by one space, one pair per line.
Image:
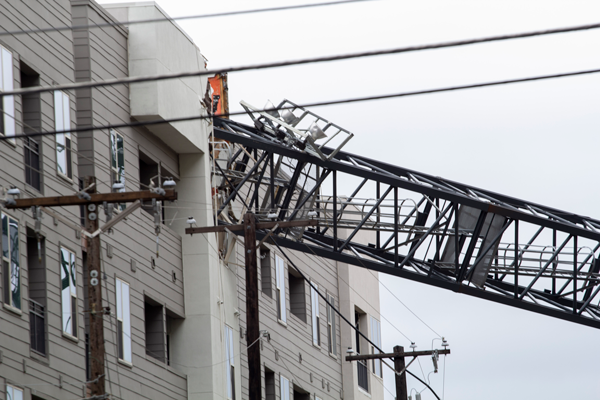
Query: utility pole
x=96 y=333
x=399 y=364
x=252 y=323
x=252 y=318
x=90 y=200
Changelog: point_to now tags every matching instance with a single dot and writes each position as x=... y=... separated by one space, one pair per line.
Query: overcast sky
x=537 y=141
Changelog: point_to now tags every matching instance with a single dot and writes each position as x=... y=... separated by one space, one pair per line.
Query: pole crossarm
x=410 y=224
x=392 y=355
x=96 y=198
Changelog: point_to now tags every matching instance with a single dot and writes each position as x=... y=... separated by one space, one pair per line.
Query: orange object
x=220 y=100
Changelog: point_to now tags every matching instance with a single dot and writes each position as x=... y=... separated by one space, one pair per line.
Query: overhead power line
x=169 y=19
x=307 y=105
x=338 y=312
x=278 y=64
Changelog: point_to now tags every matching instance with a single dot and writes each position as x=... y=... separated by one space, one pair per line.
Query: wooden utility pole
x=96 y=333
x=252 y=323
x=252 y=320
x=92 y=232
x=399 y=364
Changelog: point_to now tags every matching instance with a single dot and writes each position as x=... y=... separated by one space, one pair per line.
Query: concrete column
x=196 y=345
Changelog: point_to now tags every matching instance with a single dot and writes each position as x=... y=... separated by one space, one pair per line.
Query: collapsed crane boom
x=426 y=228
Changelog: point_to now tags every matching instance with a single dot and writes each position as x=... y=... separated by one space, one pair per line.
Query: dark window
x=269 y=384
x=155 y=329
x=265 y=272
x=32 y=163
x=173 y=323
x=363 y=372
x=300 y=394
x=37 y=291
x=297 y=296
x=31 y=123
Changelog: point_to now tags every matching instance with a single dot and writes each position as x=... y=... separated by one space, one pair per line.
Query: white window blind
x=284 y=388
x=62 y=122
x=123 y=320
x=316 y=326
x=280 y=272
x=376 y=338
x=230 y=364
x=7 y=121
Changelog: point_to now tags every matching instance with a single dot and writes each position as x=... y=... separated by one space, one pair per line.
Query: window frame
x=8 y=263
x=7 y=82
x=123 y=305
x=72 y=294
x=12 y=396
x=117 y=172
x=331 y=326
x=375 y=326
x=62 y=122
x=280 y=288
x=230 y=362
x=315 y=316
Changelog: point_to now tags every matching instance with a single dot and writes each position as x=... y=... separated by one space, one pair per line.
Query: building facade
x=176 y=328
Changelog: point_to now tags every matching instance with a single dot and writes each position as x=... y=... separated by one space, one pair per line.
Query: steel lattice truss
x=423 y=228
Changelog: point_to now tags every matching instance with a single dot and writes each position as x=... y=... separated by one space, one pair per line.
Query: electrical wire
x=186 y=17
x=314 y=104
x=357 y=293
x=344 y=318
x=278 y=64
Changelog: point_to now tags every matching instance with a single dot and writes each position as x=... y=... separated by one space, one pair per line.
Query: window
x=284 y=388
x=123 y=321
x=11 y=267
x=297 y=295
x=31 y=148
x=331 y=330
x=32 y=116
x=280 y=272
x=117 y=160
x=62 y=122
x=269 y=384
x=37 y=291
x=361 y=365
x=265 y=271
x=299 y=394
x=376 y=338
x=230 y=364
x=154 y=329
x=68 y=278
x=316 y=328
x=7 y=120
x=13 y=393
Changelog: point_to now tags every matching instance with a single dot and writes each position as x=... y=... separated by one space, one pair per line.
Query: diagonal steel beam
x=467 y=259
x=243 y=181
x=290 y=189
x=425 y=235
x=545 y=267
x=361 y=223
x=309 y=194
x=343 y=207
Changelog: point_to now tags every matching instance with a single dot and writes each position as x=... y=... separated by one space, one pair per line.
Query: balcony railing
x=37 y=326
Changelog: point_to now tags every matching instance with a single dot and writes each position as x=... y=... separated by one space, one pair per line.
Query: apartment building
x=177 y=321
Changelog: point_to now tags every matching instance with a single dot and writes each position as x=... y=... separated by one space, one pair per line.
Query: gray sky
x=537 y=141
